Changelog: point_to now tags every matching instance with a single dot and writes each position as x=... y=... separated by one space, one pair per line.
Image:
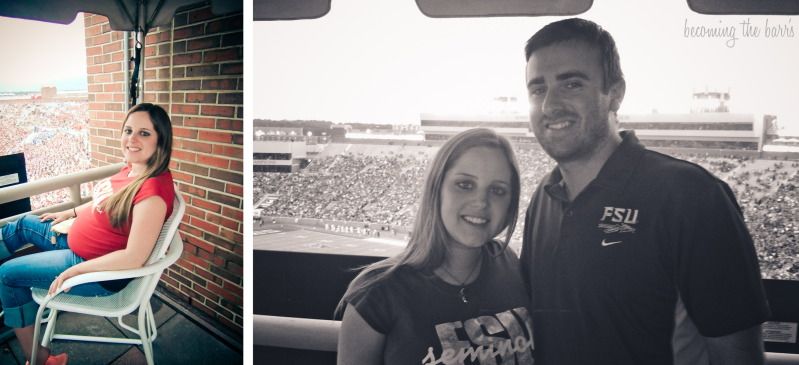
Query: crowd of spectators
x=384 y=188
x=53 y=136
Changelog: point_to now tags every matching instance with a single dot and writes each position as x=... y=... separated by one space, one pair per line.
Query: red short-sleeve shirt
x=93 y=236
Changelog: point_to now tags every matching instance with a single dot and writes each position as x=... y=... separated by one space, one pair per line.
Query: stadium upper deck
x=693 y=130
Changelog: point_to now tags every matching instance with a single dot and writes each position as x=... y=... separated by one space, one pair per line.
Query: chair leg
x=47 y=337
x=153 y=327
x=37 y=325
x=145 y=336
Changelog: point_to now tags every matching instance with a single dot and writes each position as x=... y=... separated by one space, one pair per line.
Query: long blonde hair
x=426 y=248
x=120 y=204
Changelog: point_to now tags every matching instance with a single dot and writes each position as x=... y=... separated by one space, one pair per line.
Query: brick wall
x=193 y=68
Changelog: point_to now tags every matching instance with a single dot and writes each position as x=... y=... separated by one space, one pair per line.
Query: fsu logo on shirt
x=618 y=220
x=504 y=338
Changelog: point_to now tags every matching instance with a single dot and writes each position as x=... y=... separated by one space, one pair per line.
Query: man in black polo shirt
x=632 y=257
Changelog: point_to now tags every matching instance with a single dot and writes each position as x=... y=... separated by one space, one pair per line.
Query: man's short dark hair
x=576 y=29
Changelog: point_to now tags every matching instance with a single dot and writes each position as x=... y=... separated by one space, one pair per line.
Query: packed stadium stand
x=378 y=185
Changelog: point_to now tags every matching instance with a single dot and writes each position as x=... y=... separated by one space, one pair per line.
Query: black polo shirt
x=606 y=269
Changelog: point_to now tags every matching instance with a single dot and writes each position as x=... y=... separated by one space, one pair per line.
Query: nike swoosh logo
x=609 y=243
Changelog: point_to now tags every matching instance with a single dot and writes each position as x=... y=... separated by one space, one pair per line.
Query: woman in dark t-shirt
x=455 y=294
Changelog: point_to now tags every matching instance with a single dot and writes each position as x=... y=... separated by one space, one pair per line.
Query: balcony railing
x=71 y=181
x=322 y=335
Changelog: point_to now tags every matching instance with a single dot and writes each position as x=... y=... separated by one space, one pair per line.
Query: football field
x=292 y=239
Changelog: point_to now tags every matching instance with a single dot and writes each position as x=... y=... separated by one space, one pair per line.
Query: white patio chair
x=135 y=295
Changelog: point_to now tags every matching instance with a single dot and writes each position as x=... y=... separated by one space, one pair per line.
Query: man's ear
x=617 y=95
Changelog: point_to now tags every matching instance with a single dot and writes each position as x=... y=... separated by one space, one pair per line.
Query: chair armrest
x=172 y=255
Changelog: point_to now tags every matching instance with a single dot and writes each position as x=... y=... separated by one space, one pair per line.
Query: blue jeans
x=18 y=275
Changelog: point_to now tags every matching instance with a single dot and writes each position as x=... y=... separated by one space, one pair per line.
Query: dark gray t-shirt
x=426 y=322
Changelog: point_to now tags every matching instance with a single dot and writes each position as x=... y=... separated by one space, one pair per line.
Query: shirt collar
x=614 y=174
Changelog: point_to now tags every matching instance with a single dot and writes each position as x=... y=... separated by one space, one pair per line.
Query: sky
x=37 y=54
x=385 y=62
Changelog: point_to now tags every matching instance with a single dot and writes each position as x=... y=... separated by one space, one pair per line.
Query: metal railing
x=322 y=335
x=71 y=181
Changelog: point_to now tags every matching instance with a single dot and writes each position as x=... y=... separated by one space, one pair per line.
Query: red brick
x=203 y=43
x=179 y=176
x=92 y=30
x=209 y=184
x=111 y=47
x=196 y=260
x=199 y=122
x=184 y=227
x=186 y=85
x=228 y=54
x=206 y=293
x=169 y=280
x=209 y=136
x=112 y=67
x=185 y=133
x=184 y=109
x=204 y=70
x=205 y=98
x=205 y=226
x=230 y=124
x=197 y=299
x=194 y=169
x=233 y=288
x=95 y=69
x=196 y=146
x=102 y=78
x=235 y=190
x=103 y=97
x=195 y=212
x=156 y=85
x=233 y=213
x=209 y=206
x=218 y=111
x=212 y=161
x=229 y=151
x=231 y=98
x=232 y=236
x=205 y=274
x=220 y=291
x=98 y=40
x=189 y=32
x=159 y=61
x=112 y=87
x=193 y=190
x=187 y=58
x=219 y=84
x=227 y=223
x=225 y=24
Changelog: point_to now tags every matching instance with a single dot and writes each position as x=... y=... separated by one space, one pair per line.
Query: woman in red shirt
x=117 y=230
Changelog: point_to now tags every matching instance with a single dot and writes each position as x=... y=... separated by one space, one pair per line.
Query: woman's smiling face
x=476 y=195
x=139 y=138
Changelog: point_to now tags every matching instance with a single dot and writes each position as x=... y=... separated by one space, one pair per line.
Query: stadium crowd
x=384 y=188
x=53 y=136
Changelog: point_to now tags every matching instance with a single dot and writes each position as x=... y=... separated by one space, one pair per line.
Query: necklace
x=462 y=291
